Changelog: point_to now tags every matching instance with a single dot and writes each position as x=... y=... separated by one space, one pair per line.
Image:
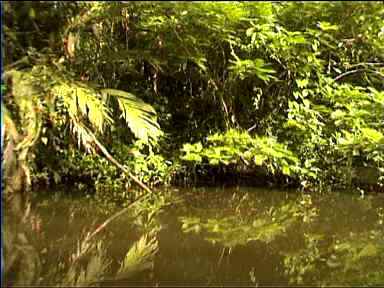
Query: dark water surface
x=236 y=237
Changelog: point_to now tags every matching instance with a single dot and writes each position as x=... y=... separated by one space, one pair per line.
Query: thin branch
x=366 y=64
x=116 y=163
x=24 y=60
x=110 y=219
x=356 y=71
x=85 y=244
x=253 y=127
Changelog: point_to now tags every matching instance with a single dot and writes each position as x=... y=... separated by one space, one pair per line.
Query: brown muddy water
x=226 y=237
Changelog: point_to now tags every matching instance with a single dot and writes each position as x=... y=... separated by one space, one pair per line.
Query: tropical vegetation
x=115 y=99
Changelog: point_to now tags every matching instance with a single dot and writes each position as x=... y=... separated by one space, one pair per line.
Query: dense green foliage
x=233 y=85
x=107 y=95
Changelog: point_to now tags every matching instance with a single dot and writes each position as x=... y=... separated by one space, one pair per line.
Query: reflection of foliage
x=19 y=254
x=144 y=212
x=139 y=258
x=91 y=268
x=30 y=261
x=319 y=258
x=307 y=210
x=94 y=270
x=233 y=230
x=299 y=264
x=356 y=259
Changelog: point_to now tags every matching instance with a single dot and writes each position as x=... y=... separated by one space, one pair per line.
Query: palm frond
x=84 y=100
x=85 y=105
x=84 y=135
x=139 y=116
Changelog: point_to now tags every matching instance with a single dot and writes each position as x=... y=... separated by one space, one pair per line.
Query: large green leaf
x=140 y=116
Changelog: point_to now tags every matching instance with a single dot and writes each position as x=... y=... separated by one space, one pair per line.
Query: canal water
x=223 y=237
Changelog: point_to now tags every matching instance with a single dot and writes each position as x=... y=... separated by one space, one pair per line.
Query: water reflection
x=271 y=238
x=225 y=237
